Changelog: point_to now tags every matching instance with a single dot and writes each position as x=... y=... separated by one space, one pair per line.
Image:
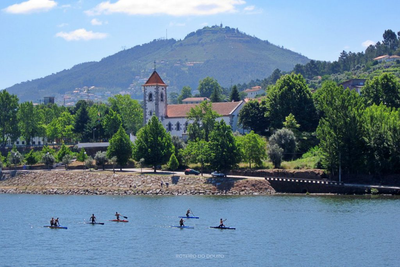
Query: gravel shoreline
x=127 y=183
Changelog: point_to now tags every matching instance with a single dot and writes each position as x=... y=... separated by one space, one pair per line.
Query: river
x=270 y=231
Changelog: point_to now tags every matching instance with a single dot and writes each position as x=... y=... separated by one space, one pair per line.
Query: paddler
x=93 y=218
x=221 y=223
x=188 y=212
x=52 y=222
x=57 y=222
x=181 y=224
x=117 y=215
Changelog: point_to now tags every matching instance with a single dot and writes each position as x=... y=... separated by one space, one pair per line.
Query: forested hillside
x=223 y=53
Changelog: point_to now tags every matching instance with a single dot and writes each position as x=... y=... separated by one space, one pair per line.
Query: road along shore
x=127 y=183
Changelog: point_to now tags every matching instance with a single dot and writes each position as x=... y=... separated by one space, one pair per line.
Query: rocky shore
x=128 y=183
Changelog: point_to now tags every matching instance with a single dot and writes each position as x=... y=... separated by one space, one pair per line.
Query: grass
x=307 y=163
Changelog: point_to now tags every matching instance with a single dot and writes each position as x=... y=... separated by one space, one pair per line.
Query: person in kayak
x=188 y=212
x=221 y=223
x=52 y=222
x=93 y=218
x=117 y=215
x=56 y=222
x=181 y=224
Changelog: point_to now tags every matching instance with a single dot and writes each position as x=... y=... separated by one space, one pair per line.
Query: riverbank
x=128 y=183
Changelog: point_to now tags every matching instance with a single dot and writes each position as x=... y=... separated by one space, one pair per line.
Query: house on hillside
x=194 y=100
x=387 y=58
x=174 y=117
x=354 y=84
x=254 y=91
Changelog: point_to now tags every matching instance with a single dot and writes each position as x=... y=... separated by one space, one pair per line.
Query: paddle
x=125 y=217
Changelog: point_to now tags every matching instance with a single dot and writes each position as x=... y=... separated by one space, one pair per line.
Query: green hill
x=225 y=54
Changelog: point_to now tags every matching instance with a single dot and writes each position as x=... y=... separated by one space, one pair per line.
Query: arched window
x=162 y=97
x=186 y=126
x=151 y=113
x=150 y=97
x=169 y=126
x=178 y=126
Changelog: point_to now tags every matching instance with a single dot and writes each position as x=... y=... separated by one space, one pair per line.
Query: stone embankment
x=126 y=183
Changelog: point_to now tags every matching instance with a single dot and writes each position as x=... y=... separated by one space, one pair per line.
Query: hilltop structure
x=174 y=117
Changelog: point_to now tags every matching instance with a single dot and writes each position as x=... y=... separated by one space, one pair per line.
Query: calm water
x=271 y=231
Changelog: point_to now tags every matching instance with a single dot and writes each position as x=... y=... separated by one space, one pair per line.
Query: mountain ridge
x=225 y=54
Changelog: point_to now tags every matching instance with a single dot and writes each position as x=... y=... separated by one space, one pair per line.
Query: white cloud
x=96 y=22
x=251 y=10
x=62 y=25
x=368 y=43
x=170 y=7
x=81 y=34
x=31 y=6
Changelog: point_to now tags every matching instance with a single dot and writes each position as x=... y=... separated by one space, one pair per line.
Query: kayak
x=190 y=217
x=119 y=221
x=182 y=227
x=56 y=227
x=223 y=227
x=93 y=223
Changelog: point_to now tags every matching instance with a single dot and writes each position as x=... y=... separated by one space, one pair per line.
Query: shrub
x=275 y=155
x=66 y=160
x=48 y=159
x=101 y=158
x=30 y=158
x=64 y=150
x=173 y=163
x=286 y=140
x=82 y=155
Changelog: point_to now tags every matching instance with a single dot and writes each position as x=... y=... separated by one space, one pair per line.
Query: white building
x=254 y=91
x=174 y=117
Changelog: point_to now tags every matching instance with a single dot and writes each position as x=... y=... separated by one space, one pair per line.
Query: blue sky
x=41 y=37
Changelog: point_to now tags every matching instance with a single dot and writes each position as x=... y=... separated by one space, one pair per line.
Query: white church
x=174 y=117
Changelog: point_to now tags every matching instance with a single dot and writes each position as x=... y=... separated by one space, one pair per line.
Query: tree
x=203 y=117
x=197 y=152
x=120 y=147
x=101 y=158
x=216 y=95
x=185 y=93
x=339 y=130
x=382 y=89
x=82 y=121
x=130 y=111
x=286 y=140
x=179 y=146
x=111 y=123
x=173 y=163
x=291 y=95
x=61 y=127
x=8 y=117
x=29 y=121
x=252 y=117
x=207 y=86
x=390 y=40
x=253 y=148
x=224 y=152
x=234 y=96
x=275 y=155
x=153 y=143
x=381 y=128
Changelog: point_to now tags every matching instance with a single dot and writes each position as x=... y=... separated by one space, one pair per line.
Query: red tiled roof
x=181 y=110
x=253 y=89
x=155 y=79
